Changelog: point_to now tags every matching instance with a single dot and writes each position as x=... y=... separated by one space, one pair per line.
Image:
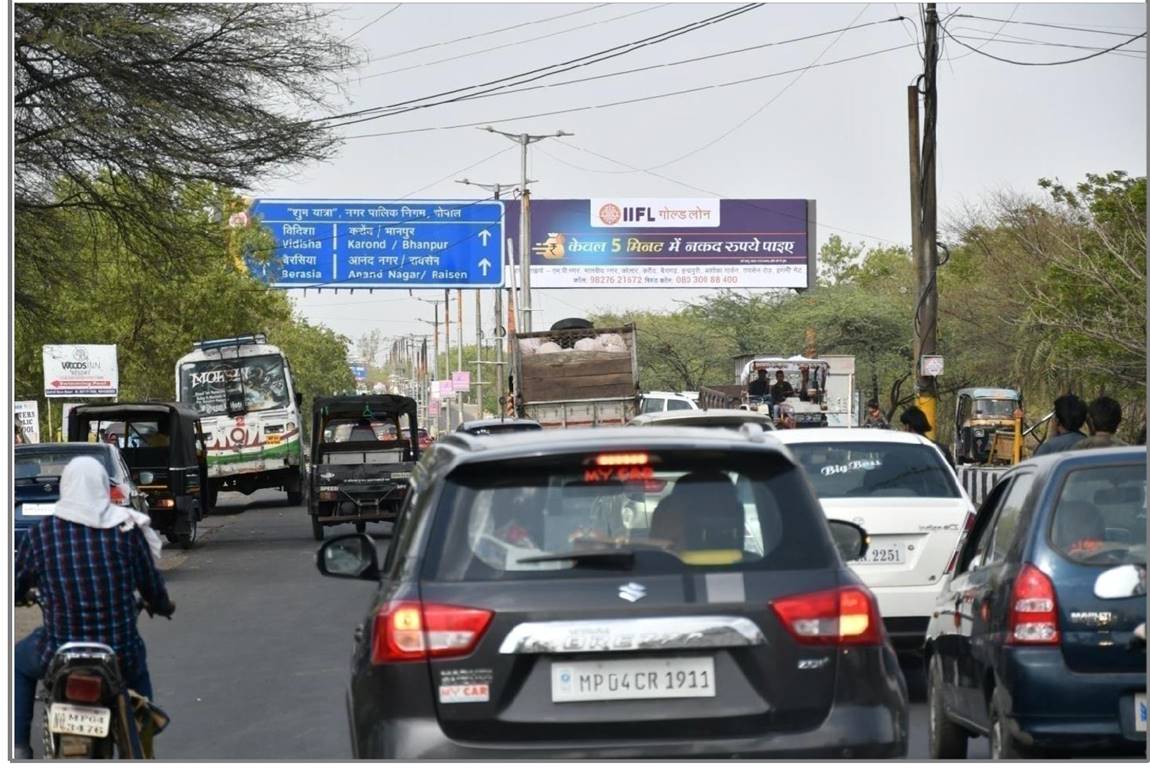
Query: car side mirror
x=850 y=539
x=349 y=556
x=1128 y=580
x=146 y=478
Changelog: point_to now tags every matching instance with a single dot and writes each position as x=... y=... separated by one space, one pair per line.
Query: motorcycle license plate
x=79 y=720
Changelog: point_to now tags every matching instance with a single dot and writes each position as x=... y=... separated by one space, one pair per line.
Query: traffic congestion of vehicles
x=607 y=382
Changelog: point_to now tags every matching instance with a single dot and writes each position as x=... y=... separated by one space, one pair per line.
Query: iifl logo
x=611 y=214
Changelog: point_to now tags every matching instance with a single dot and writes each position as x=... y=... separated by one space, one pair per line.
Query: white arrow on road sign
x=484 y=265
x=485 y=235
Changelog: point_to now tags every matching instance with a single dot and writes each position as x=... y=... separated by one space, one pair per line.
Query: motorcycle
x=89 y=711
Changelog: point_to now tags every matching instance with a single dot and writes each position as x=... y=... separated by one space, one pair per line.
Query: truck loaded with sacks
x=576 y=375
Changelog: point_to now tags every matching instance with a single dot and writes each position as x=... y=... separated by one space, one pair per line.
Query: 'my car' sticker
x=464 y=686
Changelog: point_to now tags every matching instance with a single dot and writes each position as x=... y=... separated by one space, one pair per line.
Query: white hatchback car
x=900 y=489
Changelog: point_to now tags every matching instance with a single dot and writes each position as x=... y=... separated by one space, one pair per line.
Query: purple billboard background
x=758 y=243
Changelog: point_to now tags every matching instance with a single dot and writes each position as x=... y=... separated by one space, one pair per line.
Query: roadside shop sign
x=28 y=416
x=461 y=381
x=80 y=371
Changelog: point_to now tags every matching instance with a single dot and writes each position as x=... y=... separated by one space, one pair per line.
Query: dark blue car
x=1020 y=647
x=37 y=468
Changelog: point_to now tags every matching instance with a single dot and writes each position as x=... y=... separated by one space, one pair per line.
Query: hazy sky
x=837 y=135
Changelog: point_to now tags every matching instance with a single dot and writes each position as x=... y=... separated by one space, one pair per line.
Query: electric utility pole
x=500 y=331
x=523 y=140
x=924 y=220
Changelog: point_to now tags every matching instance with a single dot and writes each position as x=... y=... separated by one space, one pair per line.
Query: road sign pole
x=459 y=323
x=479 y=352
x=447 y=351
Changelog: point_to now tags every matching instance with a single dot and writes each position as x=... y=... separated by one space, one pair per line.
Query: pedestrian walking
x=1069 y=416
x=874 y=416
x=914 y=421
x=1104 y=415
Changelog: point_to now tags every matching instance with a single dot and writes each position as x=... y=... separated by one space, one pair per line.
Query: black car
x=600 y=593
x=37 y=468
x=495 y=426
x=1026 y=646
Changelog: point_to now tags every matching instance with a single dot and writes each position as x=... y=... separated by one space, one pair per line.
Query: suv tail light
x=83 y=688
x=412 y=631
x=961 y=542
x=843 y=616
x=1033 y=610
x=118 y=495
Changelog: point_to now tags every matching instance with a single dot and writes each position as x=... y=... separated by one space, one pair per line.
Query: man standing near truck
x=761 y=386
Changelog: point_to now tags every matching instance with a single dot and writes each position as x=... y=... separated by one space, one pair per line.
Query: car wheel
x=1003 y=746
x=947 y=739
x=316 y=528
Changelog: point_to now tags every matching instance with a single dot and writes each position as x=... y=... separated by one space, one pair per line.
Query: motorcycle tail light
x=85 y=688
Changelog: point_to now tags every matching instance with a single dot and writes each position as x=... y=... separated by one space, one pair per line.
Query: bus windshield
x=234 y=386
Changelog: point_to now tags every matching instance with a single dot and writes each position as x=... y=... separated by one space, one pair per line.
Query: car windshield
x=875 y=469
x=510 y=427
x=33 y=464
x=988 y=408
x=692 y=510
x=234 y=386
x=1101 y=516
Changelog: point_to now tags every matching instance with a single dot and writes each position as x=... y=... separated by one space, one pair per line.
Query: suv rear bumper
x=1054 y=707
x=848 y=732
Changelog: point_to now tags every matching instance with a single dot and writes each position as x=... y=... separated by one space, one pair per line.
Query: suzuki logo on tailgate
x=632 y=592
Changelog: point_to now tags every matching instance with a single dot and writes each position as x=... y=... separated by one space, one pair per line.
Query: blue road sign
x=378 y=244
x=359 y=371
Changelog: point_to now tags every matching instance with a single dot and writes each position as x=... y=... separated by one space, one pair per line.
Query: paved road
x=254 y=663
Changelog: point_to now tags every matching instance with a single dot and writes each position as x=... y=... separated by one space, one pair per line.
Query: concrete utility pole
x=523 y=140
x=924 y=223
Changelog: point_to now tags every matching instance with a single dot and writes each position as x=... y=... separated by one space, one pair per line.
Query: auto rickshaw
x=362 y=457
x=163 y=445
x=979 y=413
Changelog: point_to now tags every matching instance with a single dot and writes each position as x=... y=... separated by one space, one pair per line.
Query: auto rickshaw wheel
x=316 y=527
x=211 y=494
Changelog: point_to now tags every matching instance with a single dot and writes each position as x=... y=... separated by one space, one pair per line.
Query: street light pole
x=523 y=140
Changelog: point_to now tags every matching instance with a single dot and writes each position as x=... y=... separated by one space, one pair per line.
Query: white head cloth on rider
x=85 y=498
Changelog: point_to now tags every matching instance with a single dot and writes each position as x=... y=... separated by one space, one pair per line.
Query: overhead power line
x=513 y=44
x=1011 y=40
x=624 y=48
x=1041 y=64
x=374 y=21
x=508 y=88
x=997 y=32
x=490 y=32
x=632 y=101
x=1096 y=31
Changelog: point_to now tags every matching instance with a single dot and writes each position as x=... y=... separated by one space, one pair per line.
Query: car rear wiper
x=620 y=558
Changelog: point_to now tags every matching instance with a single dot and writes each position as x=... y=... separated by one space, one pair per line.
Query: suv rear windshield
x=1101 y=516
x=875 y=469
x=676 y=511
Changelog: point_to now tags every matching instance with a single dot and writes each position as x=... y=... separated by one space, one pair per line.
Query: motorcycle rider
x=87 y=561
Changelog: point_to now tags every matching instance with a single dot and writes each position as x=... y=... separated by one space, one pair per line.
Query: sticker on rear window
x=464 y=686
x=834 y=470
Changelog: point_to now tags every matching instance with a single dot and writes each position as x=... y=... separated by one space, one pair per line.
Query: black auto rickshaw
x=163 y=445
x=361 y=459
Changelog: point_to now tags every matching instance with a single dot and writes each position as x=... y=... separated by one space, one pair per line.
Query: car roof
x=1087 y=457
x=669 y=417
x=83 y=447
x=476 y=448
x=666 y=394
x=849 y=434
